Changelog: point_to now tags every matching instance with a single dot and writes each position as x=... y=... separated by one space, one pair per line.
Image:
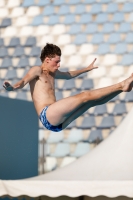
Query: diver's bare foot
x=127 y=84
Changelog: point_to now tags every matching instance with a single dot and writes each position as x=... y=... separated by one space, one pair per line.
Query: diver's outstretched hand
x=91 y=66
x=8 y=86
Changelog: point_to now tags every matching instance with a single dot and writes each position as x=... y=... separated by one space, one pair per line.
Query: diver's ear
x=47 y=59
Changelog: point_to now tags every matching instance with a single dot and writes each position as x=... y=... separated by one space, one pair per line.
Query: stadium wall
x=18 y=139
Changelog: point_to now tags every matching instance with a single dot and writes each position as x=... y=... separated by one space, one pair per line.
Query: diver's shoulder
x=37 y=69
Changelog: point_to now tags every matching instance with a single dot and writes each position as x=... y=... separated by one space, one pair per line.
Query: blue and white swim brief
x=46 y=123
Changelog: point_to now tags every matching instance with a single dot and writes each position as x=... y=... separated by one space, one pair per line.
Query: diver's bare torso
x=42 y=90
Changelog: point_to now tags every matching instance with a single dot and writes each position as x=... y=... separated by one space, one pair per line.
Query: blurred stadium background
x=83 y=29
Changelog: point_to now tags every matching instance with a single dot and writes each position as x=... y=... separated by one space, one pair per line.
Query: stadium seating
x=59 y=95
x=73 y=2
x=129 y=38
x=97 y=38
x=84 y=29
x=58 y=2
x=17 y=12
x=34 y=51
x=119 y=109
x=96 y=8
x=69 y=85
x=38 y=20
x=30 y=41
x=87 y=84
x=88 y=122
x=103 y=49
x=85 y=18
x=100 y=110
x=67 y=160
x=69 y=19
x=15 y=41
x=114 y=38
x=127 y=7
x=3 y=52
x=80 y=39
x=1 y=42
x=85 y=49
x=7 y=62
x=88 y=1
x=108 y=27
x=23 y=62
x=5 y=22
x=127 y=60
x=94 y=136
x=64 y=10
x=81 y=149
x=21 y=95
x=4 y=12
x=62 y=149
x=118 y=17
x=42 y=3
x=80 y=9
x=125 y=27
x=74 y=60
x=55 y=137
x=116 y=71
x=69 y=49
x=120 y=48
x=21 y=21
x=11 y=74
x=50 y=164
x=26 y=31
x=112 y=8
x=75 y=136
x=18 y=52
x=28 y=3
x=102 y=18
x=107 y=122
x=72 y=125
x=91 y=28
x=129 y=97
x=2 y=3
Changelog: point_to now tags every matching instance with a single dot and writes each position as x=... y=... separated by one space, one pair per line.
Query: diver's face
x=53 y=63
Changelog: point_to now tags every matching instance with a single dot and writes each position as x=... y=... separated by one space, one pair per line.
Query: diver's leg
x=88 y=105
x=59 y=111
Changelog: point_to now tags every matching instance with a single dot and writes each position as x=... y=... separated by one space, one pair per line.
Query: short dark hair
x=50 y=50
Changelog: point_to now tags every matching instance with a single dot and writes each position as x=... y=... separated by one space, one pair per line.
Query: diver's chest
x=48 y=82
